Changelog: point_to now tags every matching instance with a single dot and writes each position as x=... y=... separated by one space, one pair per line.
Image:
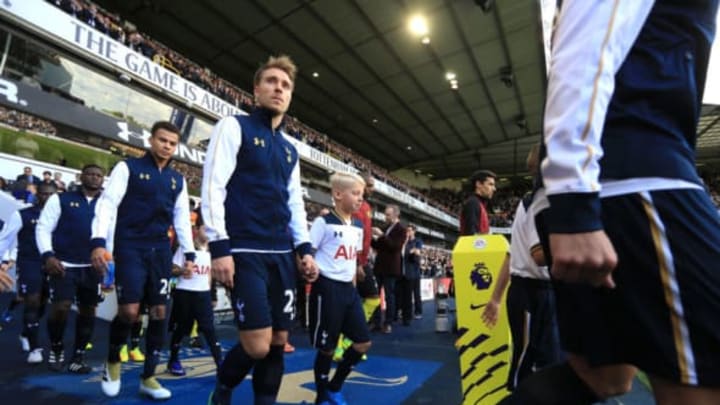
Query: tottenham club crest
x=480 y=276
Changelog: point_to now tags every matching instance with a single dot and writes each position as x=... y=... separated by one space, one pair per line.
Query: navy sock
x=267 y=376
x=55 y=332
x=321 y=370
x=213 y=344
x=350 y=359
x=135 y=334
x=119 y=331
x=153 y=344
x=31 y=321
x=84 y=326
x=235 y=367
x=216 y=351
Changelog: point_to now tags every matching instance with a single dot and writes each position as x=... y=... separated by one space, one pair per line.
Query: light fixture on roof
x=425 y=40
x=418 y=25
x=485 y=5
x=375 y=120
x=409 y=147
x=452 y=78
x=507 y=76
x=316 y=75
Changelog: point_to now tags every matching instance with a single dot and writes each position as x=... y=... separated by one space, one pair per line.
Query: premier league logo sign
x=480 y=276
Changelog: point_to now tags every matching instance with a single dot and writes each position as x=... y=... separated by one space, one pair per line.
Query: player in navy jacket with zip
x=63 y=239
x=32 y=281
x=255 y=219
x=145 y=196
x=631 y=236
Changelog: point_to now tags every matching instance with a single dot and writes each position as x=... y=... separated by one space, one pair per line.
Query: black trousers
x=404 y=290
x=533 y=324
x=417 y=299
x=388 y=283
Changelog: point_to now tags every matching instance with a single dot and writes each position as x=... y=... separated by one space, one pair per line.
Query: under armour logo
x=174 y=183
x=289 y=154
x=338 y=234
x=144 y=176
x=259 y=142
x=74 y=204
x=323 y=339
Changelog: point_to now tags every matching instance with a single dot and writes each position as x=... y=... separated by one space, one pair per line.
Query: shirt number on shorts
x=164 y=288
x=290 y=304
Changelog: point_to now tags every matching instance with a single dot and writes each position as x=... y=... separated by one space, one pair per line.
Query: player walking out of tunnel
x=146 y=196
x=255 y=219
x=632 y=237
x=63 y=238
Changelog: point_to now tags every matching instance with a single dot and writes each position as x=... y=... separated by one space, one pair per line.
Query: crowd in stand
x=127 y=33
x=26 y=122
x=450 y=201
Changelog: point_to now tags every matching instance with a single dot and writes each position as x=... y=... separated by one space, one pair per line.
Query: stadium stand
x=128 y=33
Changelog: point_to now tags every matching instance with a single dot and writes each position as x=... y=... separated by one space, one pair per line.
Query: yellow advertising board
x=484 y=353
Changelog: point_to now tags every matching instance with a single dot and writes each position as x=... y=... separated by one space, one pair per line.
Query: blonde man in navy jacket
x=255 y=219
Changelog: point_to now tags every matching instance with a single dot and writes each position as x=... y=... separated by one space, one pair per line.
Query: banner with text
x=84 y=39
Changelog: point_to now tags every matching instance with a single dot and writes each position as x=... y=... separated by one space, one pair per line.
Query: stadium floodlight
x=418 y=25
x=450 y=76
x=124 y=78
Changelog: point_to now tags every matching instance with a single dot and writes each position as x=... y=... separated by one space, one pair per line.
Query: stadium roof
x=372 y=85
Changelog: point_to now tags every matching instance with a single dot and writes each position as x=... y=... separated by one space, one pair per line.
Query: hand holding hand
x=99 y=259
x=309 y=268
x=223 y=270
x=188 y=269
x=490 y=313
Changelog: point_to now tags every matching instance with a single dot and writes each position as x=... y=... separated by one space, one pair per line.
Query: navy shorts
x=335 y=308
x=662 y=315
x=189 y=306
x=81 y=285
x=143 y=275
x=30 y=277
x=264 y=292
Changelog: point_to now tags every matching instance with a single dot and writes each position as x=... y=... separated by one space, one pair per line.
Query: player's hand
x=360 y=274
x=99 y=258
x=223 y=270
x=587 y=258
x=188 y=269
x=309 y=268
x=54 y=267
x=490 y=313
x=6 y=282
x=4 y=266
x=377 y=232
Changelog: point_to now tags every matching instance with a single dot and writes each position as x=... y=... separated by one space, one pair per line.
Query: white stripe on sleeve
x=220 y=163
x=591 y=41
